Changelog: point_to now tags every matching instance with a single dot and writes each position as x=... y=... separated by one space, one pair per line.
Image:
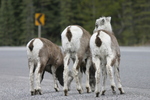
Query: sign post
x=39 y=21
x=39 y=31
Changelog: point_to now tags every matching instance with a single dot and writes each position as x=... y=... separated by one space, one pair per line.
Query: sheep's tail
x=69 y=34
x=98 y=41
x=31 y=45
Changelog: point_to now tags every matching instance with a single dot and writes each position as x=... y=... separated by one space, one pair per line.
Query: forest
x=130 y=19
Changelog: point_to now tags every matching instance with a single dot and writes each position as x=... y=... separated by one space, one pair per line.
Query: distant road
x=14 y=80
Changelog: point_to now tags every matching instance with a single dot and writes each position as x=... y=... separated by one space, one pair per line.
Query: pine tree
x=51 y=29
x=27 y=22
x=127 y=34
x=130 y=19
x=7 y=20
x=141 y=21
x=17 y=22
x=65 y=13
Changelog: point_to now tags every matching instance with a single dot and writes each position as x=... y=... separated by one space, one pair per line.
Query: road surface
x=14 y=80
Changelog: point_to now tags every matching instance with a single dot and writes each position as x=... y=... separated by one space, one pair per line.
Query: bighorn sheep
x=43 y=55
x=75 y=43
x=105 y=55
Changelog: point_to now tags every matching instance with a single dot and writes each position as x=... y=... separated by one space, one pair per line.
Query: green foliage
x=130 y=19
x=27 y=21
x=141 y=21
x=7 y=26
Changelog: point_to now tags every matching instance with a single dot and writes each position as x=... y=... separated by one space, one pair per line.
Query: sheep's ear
x=108 y=18
x=103 y=21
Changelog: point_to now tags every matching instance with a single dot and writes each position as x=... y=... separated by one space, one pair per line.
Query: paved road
x=14 y=81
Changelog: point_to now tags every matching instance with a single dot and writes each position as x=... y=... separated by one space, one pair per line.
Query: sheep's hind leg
x=70 y=79
x=31 y=76
x=65 y=73
x=88 y=87
x=110 y=74
x=55 y=79
x=117 y=74
x=77 y=74
x=38 y=75
x=80 y=90
x=104 y=75
x=96 y=62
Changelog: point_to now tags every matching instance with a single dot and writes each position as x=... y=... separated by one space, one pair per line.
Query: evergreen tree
x=65 y=13
x=17 y=22
x=130 y=19
x=51 y=29
x=7 y=28
x=87 y=12
x=141 y=21
x=127 y=33
x=27 y=22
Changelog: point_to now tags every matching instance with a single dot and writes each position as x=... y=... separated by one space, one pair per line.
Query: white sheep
x=43 y=55
x=75 y=44
x=105 y=55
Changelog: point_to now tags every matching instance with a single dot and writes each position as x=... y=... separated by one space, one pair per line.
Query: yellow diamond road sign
x=39 y=19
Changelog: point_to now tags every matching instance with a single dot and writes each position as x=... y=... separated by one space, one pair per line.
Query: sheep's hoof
x=56 y=90
x=88 y=89
x=121 y=91
x=32 y=93
x=97 y=94
x=38 y=92
x=65 y=92
x=103 y=92
x=113 y=89
x=79 y=91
